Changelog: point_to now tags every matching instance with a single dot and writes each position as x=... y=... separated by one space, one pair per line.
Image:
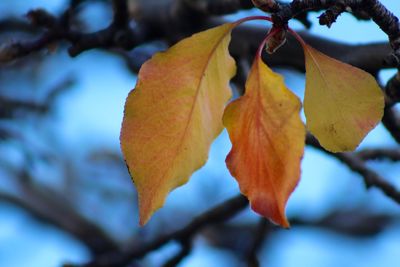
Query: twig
x=217 y=7
x=117 y=34
x=354 y=223
x=155 y=23
x=218 y=214
x=385 y=19
x=391 y=122
x=371 y=178
x=379 y=154
x=174 y=261
x=259 y=236
x=331 y=14
x=392 y=90
x=9 y=107
x=16 y=25
x=48 y=206
x=121 y=16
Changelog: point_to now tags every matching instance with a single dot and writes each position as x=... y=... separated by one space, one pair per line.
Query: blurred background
x=66 y=195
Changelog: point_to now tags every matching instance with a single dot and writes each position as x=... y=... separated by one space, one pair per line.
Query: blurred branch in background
x=356 y=164
x=136 y=31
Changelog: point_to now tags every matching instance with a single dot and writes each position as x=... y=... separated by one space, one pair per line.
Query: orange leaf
x=267 y=138
x=342 y=103
x=174 y=114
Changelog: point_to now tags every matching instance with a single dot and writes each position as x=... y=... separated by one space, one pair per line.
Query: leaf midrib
x=195 y=100
x=259 y=82
x=325 y=82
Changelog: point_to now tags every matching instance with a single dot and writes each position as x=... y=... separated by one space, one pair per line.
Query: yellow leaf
x=174 y=114
x=342 y=103
x=267 y=137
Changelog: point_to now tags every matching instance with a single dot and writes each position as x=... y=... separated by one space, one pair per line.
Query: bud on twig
x=276 y=41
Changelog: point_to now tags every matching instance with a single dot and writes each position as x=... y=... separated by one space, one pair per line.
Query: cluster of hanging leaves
x=179 y=106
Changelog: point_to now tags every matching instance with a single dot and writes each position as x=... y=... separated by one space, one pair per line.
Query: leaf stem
x=297 y=36
x=271 y=33
x=250 y=18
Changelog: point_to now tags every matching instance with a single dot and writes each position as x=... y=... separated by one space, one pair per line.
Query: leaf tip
x=149 y=202
x=143 y=220
x=270 y=210
x=145 y=213
x=144 y=216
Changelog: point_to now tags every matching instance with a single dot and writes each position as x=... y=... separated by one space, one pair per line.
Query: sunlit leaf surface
x=174 y=114
x=267 y=137
x=342 y=103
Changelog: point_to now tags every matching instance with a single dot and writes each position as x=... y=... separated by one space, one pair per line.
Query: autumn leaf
x=267 y=137
x=174 y=114
x=342 y=103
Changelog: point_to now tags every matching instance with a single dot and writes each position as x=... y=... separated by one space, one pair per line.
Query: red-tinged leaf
x=267 y=137
x=174 y=114
x=342 y=103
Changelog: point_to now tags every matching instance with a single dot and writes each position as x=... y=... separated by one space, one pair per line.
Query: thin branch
x=185 y=251
x=154 y=21
x=118 y=34
x=217 y=7
x=385 y=19
x=352 y=223
x=48 y=206
x=392 y=90
x=392 y=123
x=16 y=25
x=390 y=116
x=21 y=49
x=121 y=16
x=356 y=164
x=379 y=154
x=218 y=214
x=9 y=107
x=369 y=57
x=331 y=14
x=371 y=178
x=259 y=236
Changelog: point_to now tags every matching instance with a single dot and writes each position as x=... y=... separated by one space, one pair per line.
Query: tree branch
x=386 y=20
x=184 y=236
x=379 y=154
x=371 y=178
x=392 y=123
x=217 y=7
x=259 y=236
x=155 y=20
x=48 y=206
x=185 y=251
